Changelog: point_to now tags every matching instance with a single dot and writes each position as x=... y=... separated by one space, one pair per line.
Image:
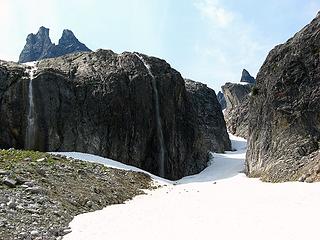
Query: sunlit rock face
x=284 y=129
x=237 y=97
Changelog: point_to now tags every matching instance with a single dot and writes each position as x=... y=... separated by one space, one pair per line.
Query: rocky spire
x=36 y=46
x=39 y=46
x=67 y=36
x=68 y=43
x=246 y=77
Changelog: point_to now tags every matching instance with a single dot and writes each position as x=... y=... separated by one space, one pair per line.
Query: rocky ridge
x=39 y=46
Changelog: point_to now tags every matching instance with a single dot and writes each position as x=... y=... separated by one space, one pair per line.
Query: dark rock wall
x=210 y=117
x=103 y=103
x=285 y=111
x=13 y=99
x=222 y=100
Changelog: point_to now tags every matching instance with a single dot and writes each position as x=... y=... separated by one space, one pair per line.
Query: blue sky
x=206 y=40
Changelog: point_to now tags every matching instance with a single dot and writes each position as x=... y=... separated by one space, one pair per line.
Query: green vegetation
x=254 y=91
x=19 y=155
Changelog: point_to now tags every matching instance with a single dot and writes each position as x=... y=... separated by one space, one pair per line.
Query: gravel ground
x=41 y=193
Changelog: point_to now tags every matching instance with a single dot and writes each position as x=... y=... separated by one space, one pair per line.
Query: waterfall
x=158 y=118
x=30 y=132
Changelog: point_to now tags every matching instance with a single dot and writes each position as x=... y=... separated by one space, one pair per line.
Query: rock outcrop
x=210 y=117
x=237 y=112
x=105 y=103
x=235 y=94
x=284 y=130
x=39 y=46
x=222 y=100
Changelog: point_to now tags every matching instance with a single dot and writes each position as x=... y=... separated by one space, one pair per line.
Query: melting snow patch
x=218 y=203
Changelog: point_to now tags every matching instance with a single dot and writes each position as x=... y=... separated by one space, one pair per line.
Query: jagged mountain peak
x=43 y=34
x=43 y=30
x=67 y=32
x=246 y=77
x=67 y=35
x=245 y=72
x=39 y=46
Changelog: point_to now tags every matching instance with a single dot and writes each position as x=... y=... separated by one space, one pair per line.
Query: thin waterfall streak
x=30 y=131
x=158 y=117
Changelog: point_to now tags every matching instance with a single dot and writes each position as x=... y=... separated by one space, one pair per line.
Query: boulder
x=9 y=182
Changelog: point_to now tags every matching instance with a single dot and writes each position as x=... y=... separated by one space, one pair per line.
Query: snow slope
x=219 y=203
x=110 y=163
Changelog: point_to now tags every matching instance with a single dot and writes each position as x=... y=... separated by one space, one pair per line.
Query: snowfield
x=219 y=203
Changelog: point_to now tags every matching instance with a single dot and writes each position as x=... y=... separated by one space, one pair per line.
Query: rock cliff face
x=39 y=46
x=285 y=111
x=105 y=103
x=235 y=94
x=222 y=100
x=210 y=117
x=237 y=112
